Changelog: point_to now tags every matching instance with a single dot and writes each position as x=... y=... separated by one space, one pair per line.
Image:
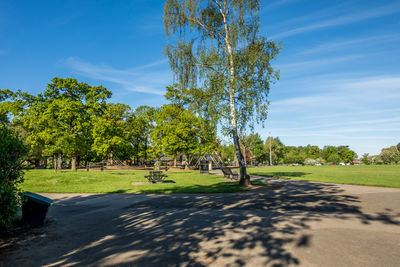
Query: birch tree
x=221 y=61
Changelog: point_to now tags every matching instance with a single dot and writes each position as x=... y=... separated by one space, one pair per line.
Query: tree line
x=388 y=155
x=75 y=122
x=273 y=152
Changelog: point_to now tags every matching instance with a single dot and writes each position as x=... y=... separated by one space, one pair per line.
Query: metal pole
x=270 y=151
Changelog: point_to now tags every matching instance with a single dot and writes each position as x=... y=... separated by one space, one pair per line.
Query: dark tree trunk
x=110 y=159
x=175 y=159
x=187 y=162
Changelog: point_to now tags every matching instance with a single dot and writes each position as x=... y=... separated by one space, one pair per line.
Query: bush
x=310 y=162
x=11 y=175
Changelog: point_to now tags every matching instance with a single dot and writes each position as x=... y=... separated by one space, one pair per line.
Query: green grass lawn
x=110 y=181
x=374 y=175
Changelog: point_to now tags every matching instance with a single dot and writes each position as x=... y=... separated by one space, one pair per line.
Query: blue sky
x=340 y=71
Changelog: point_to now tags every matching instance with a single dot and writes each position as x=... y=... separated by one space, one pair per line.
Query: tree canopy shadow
x=198 y=229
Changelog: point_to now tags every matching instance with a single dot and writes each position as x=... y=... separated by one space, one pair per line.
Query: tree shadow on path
x=197 y=229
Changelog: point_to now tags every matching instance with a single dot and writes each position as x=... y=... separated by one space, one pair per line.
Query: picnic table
x=229 y=173
x=155 y=176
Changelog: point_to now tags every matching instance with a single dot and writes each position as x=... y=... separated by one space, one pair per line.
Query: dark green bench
x=155 y=177
x=228 y=173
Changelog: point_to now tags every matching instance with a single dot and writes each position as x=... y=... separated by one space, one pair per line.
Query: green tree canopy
x=177 y=130
x=277 y=149
x=390 y=155
x=61 y=117
x=140 y=126
x=110 y=133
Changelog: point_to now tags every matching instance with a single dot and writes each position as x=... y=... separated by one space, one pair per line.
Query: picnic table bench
x=155 y=176
x=229 y=173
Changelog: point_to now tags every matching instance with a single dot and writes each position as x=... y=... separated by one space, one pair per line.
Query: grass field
x=120 y=181
x=374 y=175
x=47 y=181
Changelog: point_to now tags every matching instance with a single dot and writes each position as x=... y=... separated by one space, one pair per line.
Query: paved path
x=298 y=224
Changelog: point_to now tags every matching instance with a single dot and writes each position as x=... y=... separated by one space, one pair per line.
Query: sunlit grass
x=110 y=181
x=373 y=175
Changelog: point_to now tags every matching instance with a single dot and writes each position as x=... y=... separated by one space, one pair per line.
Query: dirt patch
x=140 y=183
x=163 y=182
x=21 y=235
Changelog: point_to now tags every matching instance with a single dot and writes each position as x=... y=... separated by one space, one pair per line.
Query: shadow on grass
x=281 y=174
x=190 y=230
x=120 y=191
x=123 y=173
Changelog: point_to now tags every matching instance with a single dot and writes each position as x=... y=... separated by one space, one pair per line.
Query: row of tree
x=273 y=151
x=75 y=121
x=388 y=155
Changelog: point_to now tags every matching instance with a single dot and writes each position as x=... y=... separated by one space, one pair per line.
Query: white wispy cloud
x=350 y=93
x=275 y=4
x=344 y=44
x=316 y=63
x=144 y=79
x=342 y=20
x=360 y=111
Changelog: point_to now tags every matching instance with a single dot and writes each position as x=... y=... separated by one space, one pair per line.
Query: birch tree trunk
x=73 y=163
x=54 y=163
x=244 y=179
x=59 y=162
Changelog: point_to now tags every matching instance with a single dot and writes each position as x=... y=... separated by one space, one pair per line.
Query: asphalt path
x=291 y=223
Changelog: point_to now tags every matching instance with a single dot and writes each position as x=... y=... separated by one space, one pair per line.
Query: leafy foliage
x=390 y=155
x=11 y=175
x=110 y=132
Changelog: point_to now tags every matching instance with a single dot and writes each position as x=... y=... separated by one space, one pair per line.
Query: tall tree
x=60 y=118
x=110 y=133
x=217 y=46
x=140 y=125
x=277 y=149
x=177 y=131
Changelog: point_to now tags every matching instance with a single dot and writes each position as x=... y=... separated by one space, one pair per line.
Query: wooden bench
x=229 y=173
x=155 y=176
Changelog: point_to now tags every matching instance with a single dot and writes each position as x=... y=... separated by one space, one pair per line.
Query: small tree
x=366 y=159
x=390 y=155
x=11 y=175
x=277 y=149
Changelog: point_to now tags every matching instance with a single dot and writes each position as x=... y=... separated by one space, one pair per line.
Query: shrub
x=11 y=175
x=310 y=161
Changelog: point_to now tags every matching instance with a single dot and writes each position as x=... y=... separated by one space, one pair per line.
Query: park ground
x=292 y=223
x=131 y=181
x=124 y=181
x=287 y=223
